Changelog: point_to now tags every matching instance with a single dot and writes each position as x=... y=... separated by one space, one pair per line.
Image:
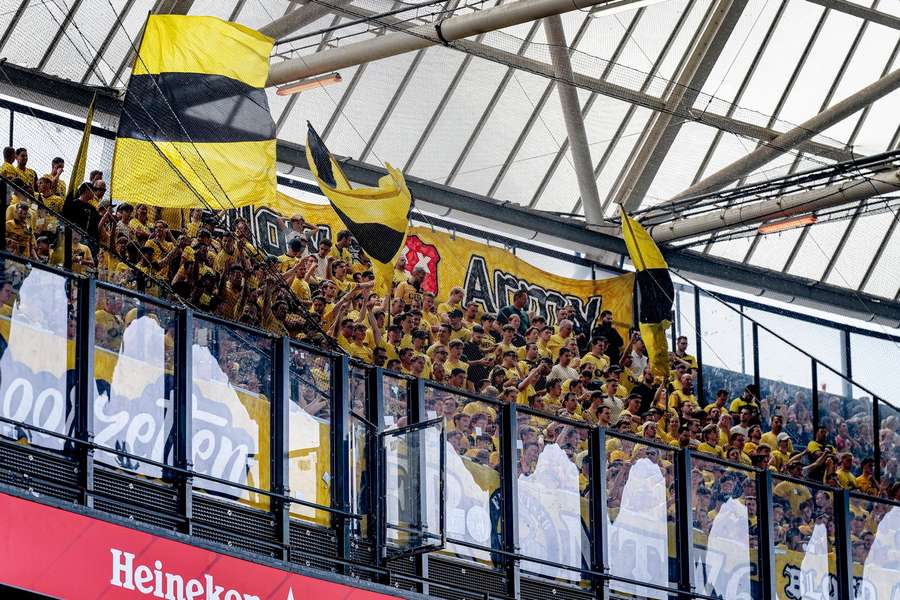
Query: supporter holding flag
x=655 y=293
x=377 y=217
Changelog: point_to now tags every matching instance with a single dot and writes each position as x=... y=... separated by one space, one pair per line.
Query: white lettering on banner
x=171 y=586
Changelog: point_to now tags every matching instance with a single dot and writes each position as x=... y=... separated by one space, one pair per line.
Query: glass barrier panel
x=640 y=503
x=360 y=474
x=803 y=521
x=785 y=388
x=134 y=372
x=875 y=548
x=396 y=401
x=554 y=497
x=37 y=353
x=474 y=490
x=725 y=530
x=727 y=349
x=413 y=488
x=359 y=393
x=889 y=439
x=309 y=446
x=874 y=361
x=232 y=387
x=845 y=411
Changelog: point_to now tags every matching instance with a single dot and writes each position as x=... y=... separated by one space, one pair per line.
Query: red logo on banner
x=420 y=254
x=67 y=555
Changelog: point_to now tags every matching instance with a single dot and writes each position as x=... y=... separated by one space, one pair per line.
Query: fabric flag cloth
x=377 y=217
x=79 y=166
x=655 y=293
x=195 y=129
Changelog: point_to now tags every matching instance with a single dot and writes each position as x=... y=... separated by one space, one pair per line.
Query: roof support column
x=571 y=109
x=790 y=139
x=665 y=128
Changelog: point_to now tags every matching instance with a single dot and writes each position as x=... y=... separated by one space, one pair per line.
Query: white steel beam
x=852 y=190
x=790 y=139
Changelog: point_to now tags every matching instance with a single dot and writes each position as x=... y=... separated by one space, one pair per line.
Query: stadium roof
x=483 y=117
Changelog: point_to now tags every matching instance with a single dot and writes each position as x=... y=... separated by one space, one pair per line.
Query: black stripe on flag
x=655 y=291
x=377 y=239
x=195 y=107
x=321 y=156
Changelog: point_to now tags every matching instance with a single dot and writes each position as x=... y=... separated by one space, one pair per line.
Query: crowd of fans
x=322 y=289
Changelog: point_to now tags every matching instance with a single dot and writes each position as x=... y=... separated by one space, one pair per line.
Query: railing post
x=67 y=247
x=876 y=433
x=340 y=450
x=4 y=202
x=815 y=396
x=754 y=331
x=510 y=461
x=843 y=544
x=416 y=414
x=375 y=408
x=768 y=575
x=684 y=523
x=599 y=516
x=279 y=445
x=698 y=347
x=184 y=383
x=84 y=412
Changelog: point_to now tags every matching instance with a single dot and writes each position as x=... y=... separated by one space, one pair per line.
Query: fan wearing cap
x=710 y=443
x=457 y=330
x=794 y=493
x=782 y=451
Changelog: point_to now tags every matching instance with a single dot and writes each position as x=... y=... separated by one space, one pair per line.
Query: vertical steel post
x=599 y=515
x=4 y=202
x=684 y=523
x=510 y=461
x=699 y=346
x=67 y=247
x=843 y=544
x=754 y=330
x=768 y=574
x=374 y=474
x=280 y=466
x=416 y=412
x=340 y=451
x=12 y=126
x=815 y=394
x=84 y=384
x=184 y=382
x=876 y=426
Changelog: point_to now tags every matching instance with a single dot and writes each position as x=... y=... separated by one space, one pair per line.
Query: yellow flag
x=377 y=217
x=655 y=292
x=76 y=178
x=195 y=129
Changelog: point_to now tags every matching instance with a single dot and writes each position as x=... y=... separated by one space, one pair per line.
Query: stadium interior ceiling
x=685 y=109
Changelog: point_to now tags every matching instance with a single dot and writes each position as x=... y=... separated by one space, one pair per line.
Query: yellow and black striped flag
x=377 y=217
x=655 y=292
x=195 y=129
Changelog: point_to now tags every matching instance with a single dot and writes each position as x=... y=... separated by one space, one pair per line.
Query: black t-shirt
x=84 y=216
x=614 y=351
x=647 y=393
x=472 y=351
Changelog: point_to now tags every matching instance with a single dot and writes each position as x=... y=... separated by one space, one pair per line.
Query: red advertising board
x=68 y=555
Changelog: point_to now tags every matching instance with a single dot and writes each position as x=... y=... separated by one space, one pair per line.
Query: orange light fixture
x=308 y=84
x=785 y=224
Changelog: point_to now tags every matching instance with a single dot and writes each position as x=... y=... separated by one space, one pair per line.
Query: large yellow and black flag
x=655 y=292
x=195 y=129
x=377 y=217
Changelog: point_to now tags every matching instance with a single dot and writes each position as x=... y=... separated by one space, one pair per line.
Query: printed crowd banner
x=489 y=275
